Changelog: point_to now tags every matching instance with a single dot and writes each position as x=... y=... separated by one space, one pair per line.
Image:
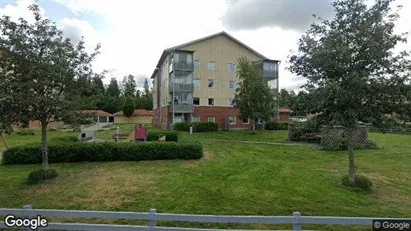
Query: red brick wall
x=220 y=113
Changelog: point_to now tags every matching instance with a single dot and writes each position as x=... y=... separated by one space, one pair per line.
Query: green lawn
x=233 y=178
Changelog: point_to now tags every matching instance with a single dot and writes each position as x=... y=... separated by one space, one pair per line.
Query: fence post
x=152 y=222
x=297 y=226
x=26 y=209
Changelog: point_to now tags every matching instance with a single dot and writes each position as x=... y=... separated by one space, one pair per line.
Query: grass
x=233 y=178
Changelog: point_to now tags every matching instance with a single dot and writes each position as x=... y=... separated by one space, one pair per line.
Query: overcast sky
x=134 y=33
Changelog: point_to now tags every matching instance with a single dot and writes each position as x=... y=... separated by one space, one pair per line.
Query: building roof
x=94 y=112
x=137 y=112
x=284 y=110
x=169 y=50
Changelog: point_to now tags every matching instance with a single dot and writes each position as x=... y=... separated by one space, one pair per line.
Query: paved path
x=264 y=142
x=94 y=127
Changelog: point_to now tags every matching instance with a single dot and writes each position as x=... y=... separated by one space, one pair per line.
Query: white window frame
x=232 y=104
x=196 y=116
x=248 y=121
x=209 y=102
x=198 y=101
x=209 y=67
x=235 y=84
x=235 y=119
x=208 y=119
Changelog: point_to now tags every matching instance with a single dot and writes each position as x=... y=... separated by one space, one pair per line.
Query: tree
x=41 y=69
x=253 y=98
x=147 y=96
x=128 y=107
x=352 y=71
x=113 y=89
x=129 y=85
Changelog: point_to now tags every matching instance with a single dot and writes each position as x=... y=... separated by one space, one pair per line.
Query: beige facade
x=214 y=77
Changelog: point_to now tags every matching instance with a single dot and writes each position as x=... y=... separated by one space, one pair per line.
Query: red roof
x=94 y=112
x=284 y=110
x=137 y=112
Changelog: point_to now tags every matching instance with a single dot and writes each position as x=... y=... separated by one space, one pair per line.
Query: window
x=196 y=65
x=232 y=67
x=247 y=121
x=269 y=66
x=210 y=102
x=232 y=119
x=211 y=83
x=196 y=83
x=230 y=102
x=211 y=119
x=196 y=101
x=273 y=84
x=211 y=66
x=195 y=118
x=231 y=84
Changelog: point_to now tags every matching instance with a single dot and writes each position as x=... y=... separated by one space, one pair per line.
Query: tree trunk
x=351 y=166
x=45 y=158
x=254 y=123
x=4 y=140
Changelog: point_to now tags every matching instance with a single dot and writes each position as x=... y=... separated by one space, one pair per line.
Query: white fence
x=297 y=221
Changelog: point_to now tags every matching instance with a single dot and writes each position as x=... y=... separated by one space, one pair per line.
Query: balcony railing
x=181 y=108
x=181 y=87
x=183 y=66
x=269 y=74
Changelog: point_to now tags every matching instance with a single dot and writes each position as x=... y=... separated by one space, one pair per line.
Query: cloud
x=75 y=29
x=287 y=14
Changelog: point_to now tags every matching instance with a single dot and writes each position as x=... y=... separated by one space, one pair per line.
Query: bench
x=120 y=136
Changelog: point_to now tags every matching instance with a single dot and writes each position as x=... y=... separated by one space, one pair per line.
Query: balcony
x=181 y=108
x=181 y=87
x=183 y=66
x=268 y=75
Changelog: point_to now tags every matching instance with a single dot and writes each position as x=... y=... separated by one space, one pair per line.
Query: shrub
x=25 y=132
x=274 y=125
x=52 y=129
x=170 y=136
x=40 y=175
x=197 y=126
x=69 y=139
x=78 y=152
x=361 y=182
x=342 y=144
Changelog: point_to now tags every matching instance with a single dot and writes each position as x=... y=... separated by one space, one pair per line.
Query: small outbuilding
x=140 y=116
x=98 y=116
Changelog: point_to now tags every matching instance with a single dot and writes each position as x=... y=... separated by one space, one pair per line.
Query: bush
x=40 y=175
x=170 y=136
x=52 y=129
x=274 y=125
x=79 y=152
x=68 y=139
x=197 y=126
x=361 y=182
x=25 y=132
x=342 y=144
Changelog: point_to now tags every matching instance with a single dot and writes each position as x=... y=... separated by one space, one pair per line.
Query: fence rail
x=296 y=220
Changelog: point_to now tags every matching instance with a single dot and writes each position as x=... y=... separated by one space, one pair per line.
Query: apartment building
x=196 y=81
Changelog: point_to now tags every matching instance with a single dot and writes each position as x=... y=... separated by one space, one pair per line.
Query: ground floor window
x=196 y=118
x=211 y=119
x=246 y=121
x=232 y=119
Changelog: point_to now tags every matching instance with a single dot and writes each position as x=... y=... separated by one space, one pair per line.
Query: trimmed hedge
x=40 y=175
x=297 y=131
x=274 y=125
x=26 y=132
x=80 y=152
x=197 y=126
x=170 y=136
x=69 y=139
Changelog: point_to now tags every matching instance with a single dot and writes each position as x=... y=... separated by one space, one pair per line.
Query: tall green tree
x=147 y=96
x=352 y=71
x=128 y=107
x=129 y=85
x=253 y=98
x=41 y=69
x=113 y=88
